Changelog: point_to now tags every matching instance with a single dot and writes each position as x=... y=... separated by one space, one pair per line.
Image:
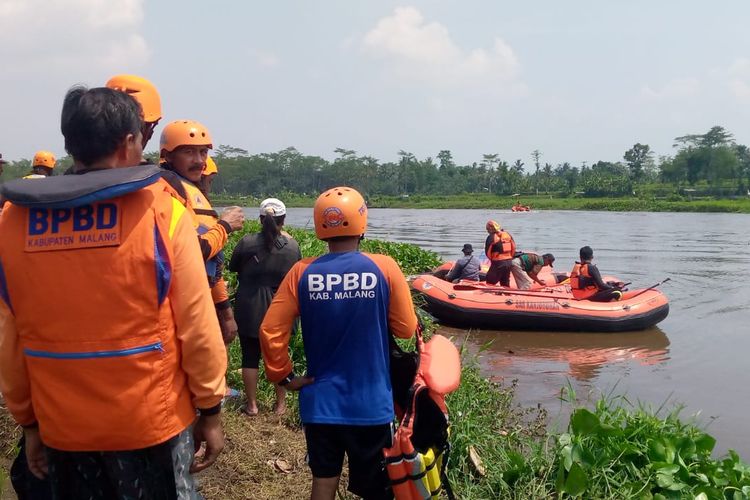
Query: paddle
x=490 y=288
x=505 y=291
x=650 y=288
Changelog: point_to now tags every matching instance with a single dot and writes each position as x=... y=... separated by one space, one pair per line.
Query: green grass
x=673 y=203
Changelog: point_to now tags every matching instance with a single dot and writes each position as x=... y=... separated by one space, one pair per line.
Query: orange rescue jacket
x=130 y=345
x=581 y=283
x=212 y=234
x=508 y=246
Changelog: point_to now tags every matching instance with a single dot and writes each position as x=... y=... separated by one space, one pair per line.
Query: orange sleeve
x=402 y=319
x=219 y=292
x=276 y=328
x=204 y=357
x=14 y=379
x=215 y=238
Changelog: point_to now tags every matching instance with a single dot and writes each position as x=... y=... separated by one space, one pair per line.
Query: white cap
x=272 y=206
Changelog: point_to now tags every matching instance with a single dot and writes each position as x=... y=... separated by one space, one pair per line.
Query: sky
x=580 y=81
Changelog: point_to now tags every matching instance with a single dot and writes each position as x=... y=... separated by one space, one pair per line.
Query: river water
x=698 y=356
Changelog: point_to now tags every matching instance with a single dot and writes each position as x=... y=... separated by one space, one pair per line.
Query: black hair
x=586 y=253
x=95 y=121
x=548 y=256
x=271 y=229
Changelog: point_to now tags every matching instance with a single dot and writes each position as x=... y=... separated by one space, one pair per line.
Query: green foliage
x=617 y=451
x=637 y=157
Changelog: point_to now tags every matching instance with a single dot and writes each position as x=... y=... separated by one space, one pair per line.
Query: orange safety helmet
x=211 y=167
x=340 y=211
x=142 y=91
x=492 y=226
x=43 y=159
x=184 y=133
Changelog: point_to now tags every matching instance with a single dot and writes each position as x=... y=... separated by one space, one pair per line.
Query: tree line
x=711 y=163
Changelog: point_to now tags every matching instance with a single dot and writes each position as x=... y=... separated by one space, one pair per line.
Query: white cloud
x=264 y=58
x=41 y=36
x=679 y=88
x=425 y=51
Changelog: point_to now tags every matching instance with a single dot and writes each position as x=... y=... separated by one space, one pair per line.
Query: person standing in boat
x=586 y=282
x=526 y=267
x=500 y=249
x=466 y=267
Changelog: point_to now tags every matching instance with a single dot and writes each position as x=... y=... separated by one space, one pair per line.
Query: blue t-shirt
x=343 y=303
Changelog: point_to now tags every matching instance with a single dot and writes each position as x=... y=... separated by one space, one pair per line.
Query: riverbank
x=611 y=450
x=486 y=201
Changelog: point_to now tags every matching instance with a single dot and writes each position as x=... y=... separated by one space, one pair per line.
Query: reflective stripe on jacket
x=128 y=344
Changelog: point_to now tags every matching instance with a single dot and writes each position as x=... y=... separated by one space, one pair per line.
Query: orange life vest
x=124 y=386
x=205 y=218
x=581 y=283
x=508 y=246
x=416 y=461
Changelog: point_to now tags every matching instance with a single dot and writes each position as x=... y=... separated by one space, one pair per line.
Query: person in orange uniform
x=500 y=249
x=184 y=146
x=42 y=165
x=2 y=202
x=147 y=96
x=348 y=303
x=208 y=175
x=586 y=282
x=125 y=369
x=143 y=91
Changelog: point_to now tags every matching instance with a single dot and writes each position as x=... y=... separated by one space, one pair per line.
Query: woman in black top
x=261 y=261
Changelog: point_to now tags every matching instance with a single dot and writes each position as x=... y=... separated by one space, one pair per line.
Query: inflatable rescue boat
x=520 y=208
x=552 y=307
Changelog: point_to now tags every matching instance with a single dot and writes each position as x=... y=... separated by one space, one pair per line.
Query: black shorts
x=250 y=352
x=499 y=271
x=363 y=445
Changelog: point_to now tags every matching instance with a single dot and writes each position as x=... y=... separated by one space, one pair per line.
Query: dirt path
x=264 y=458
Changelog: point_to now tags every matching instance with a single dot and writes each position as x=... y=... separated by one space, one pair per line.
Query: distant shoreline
x=484 y=201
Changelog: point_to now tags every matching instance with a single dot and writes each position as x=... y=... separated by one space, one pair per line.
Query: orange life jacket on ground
x=416 y=461
x=124 y=355
x=508 y=246
x=581 y=283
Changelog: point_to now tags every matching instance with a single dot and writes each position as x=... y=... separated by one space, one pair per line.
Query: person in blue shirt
x=349 y=302
x=466 y=267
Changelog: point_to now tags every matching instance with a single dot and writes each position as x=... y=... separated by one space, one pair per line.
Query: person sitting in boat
x=500 y=249
x=586 y=282
x=466 y=267
x=526 y=266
